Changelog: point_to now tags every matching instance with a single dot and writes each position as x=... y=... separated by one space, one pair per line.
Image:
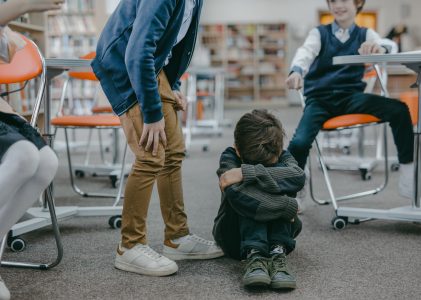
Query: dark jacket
x=133 y=48
x=265 y=194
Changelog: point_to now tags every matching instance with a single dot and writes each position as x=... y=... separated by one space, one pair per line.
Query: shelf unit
x=254 y=56
x=72 y=33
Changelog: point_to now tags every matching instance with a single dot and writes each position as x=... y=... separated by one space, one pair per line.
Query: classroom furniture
x=28 y=64
x=412 y=212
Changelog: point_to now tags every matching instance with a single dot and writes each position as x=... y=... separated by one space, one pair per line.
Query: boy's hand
x=230 y=177
x=181 y=101
x=151 y=135
x=294 y=81
x=371 y=48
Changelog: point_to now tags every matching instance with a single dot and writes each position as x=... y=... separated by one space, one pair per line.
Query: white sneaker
x=191 y=247
x=144 y=260
x=406 y=180
x=4 y=292
x=301 y=195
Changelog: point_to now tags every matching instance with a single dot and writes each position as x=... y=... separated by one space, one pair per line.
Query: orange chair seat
x=87 y=121
x=349 y=120
x=100 y=109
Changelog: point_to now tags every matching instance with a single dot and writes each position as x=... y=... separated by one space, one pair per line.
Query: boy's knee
x=48 y=165
x=298 y=145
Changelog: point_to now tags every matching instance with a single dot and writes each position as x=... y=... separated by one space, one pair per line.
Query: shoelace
x=279 y=263
x=256 y=262
x=201 y=240
x=149 y=252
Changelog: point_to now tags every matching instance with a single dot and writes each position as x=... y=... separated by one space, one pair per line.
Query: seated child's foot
x=279 y=274
x=142 y=259
x=406 y=180
x=256 y=272
x=191 y=247
x=4 y=292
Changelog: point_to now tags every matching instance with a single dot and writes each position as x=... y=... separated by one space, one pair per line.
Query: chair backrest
x=28 y=63
x=25 y=65
x=85 y=75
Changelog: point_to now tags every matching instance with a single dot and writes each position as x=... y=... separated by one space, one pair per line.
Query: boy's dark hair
x=359 y=3
x=259 y=137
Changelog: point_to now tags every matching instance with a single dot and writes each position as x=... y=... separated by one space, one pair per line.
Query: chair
x=89 y=122
x=27 y=64
x=348 y=121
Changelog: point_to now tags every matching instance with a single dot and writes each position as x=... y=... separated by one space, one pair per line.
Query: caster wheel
x=16 y=244
x=394 y=167
x=113 y=180
x=115 y=222
x=365 y=175
x=339 y=223
x=79 y=174
x=205 y=148
x=107 y=150
x=346 y=150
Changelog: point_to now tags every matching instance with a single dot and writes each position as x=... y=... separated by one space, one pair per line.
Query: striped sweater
x=265 y=194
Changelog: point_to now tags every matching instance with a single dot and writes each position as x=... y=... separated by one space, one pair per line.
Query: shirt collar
x=336 y=28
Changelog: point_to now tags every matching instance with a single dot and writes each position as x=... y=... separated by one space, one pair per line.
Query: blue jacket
x=132 y=50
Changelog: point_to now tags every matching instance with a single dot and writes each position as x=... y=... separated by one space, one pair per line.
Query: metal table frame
x=405 y=213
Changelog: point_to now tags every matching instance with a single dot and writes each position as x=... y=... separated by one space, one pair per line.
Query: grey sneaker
x=4 y=292
x=279 y=274
x=191 y=247
x=256 y=272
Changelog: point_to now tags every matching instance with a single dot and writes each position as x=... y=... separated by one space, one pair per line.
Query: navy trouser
x=261 y=236
x=321 y=108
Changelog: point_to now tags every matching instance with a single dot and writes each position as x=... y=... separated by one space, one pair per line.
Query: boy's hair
x=259 y=137
x=358 y=3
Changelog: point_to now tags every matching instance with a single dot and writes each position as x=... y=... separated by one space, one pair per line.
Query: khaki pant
x=165 y=168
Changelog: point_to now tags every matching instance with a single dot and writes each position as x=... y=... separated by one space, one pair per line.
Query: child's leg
x=254 y=248
x=17 y=167
x=33 y=187
x=390 y=110
x=282 y=233
x=314 y=115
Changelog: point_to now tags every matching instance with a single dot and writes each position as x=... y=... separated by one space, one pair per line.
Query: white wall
x=301 y=15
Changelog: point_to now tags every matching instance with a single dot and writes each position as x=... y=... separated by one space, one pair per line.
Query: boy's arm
x=286 y=177
x=152 y=19
x=306 y=54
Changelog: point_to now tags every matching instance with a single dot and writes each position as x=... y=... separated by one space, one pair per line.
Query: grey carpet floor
x=373 y=260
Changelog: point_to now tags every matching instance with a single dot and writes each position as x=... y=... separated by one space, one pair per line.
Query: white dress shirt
x=185 y=25
x=307 y=53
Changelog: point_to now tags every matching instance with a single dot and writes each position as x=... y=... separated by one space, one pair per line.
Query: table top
x=73 y=64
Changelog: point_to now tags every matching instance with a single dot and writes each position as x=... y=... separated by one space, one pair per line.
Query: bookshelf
x=72 y=33
x=254 y=56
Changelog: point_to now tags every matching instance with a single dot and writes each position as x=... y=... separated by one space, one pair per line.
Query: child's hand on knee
x=371 y=47
x=294 y=81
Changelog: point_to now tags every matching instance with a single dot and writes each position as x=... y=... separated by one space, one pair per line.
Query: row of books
x=72 y=6
x=71 y=25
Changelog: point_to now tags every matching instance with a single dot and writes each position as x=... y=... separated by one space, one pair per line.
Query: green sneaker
x=279 y=274
x=256 y=272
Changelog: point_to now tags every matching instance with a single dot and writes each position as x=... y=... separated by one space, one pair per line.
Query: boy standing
x=143 y=50
x=257 y=219
x=332 y=90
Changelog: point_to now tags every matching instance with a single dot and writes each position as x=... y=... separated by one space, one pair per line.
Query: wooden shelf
x=19 y=26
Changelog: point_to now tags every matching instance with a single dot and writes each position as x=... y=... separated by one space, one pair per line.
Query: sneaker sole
x=256 y=281
x=139 y=270
x=182 y=256
x=283 y=285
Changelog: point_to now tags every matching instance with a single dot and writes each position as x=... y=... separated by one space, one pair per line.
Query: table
x=411 y=60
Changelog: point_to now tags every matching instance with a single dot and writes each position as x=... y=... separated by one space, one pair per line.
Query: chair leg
x=72 y=180
x=120 y=185
x=50 y=201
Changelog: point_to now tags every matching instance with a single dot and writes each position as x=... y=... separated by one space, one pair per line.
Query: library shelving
x=254 y=55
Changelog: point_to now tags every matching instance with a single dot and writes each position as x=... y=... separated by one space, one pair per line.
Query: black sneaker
x=279 y=274
x=256 y=272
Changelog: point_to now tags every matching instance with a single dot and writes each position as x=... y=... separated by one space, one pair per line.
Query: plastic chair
x=348 y=121
x=27 y=64
x=96 y=121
